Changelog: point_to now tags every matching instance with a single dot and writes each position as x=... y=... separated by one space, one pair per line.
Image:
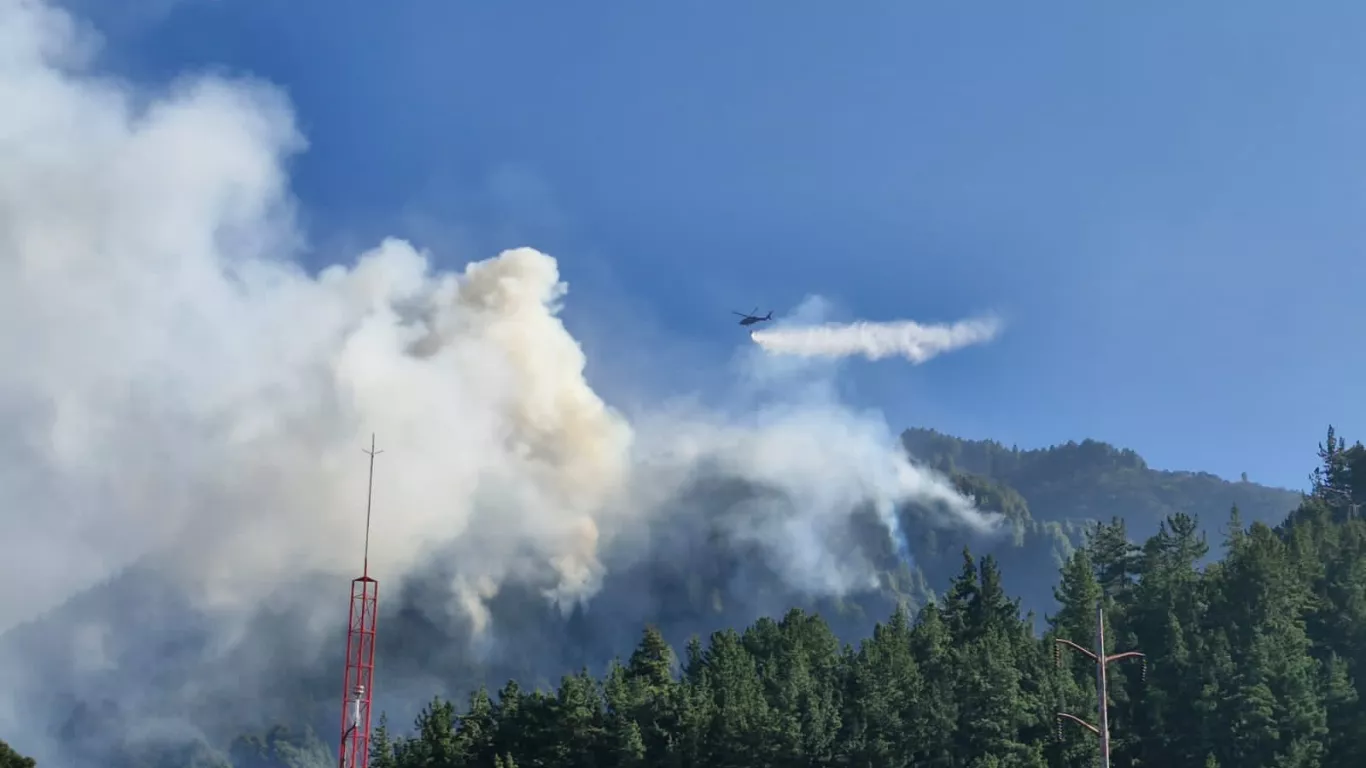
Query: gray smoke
x=180 y=394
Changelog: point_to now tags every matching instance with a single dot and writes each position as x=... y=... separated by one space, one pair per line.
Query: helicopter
x=752 y=318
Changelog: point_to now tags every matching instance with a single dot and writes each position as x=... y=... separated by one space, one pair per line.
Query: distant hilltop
x=1093 y=480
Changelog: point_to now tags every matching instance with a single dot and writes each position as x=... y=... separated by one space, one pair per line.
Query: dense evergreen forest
x=1254 y=647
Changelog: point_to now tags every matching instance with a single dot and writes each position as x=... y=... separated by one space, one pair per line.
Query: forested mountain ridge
x=1055 y=496
x=1092 y=480
x=700 y=599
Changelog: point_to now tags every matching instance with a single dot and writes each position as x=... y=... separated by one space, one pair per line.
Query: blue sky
x=1166 y=201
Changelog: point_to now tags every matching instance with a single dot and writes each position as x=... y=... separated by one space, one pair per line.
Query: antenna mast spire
x=354 y=749
x=1102 y=661
x=369 y=496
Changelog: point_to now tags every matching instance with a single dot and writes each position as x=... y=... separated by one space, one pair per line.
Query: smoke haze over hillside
x=180 y=393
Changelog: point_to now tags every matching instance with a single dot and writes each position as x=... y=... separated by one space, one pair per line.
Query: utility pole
x=1102 y=661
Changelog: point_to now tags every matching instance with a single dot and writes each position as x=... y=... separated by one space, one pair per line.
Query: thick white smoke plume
x=875 y=341
x=178 y=391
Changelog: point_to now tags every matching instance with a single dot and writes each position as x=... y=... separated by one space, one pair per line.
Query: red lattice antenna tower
x=354 y=750
x=1102 y=730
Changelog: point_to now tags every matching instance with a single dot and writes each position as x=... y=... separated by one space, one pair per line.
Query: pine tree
x=885 y=688
x=1346 y=741
x=937 y=716
x=959 y=601
x=435 y=743
x=581 y=732
x=628 y=747
x=476 y=729
x=383 y=751
x=992 y=610
x=653 y=660
x=12 y=759
x=737 y=738
x=1115 y=558
x=1077 y=595
x=1331 y=480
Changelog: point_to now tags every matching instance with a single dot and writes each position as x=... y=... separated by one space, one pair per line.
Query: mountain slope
x=1055 y=496
x=694 y=579
x=1092 y=480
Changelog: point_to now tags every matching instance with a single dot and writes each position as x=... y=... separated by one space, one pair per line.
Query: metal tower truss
x=358 y=686
x=360 y=671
